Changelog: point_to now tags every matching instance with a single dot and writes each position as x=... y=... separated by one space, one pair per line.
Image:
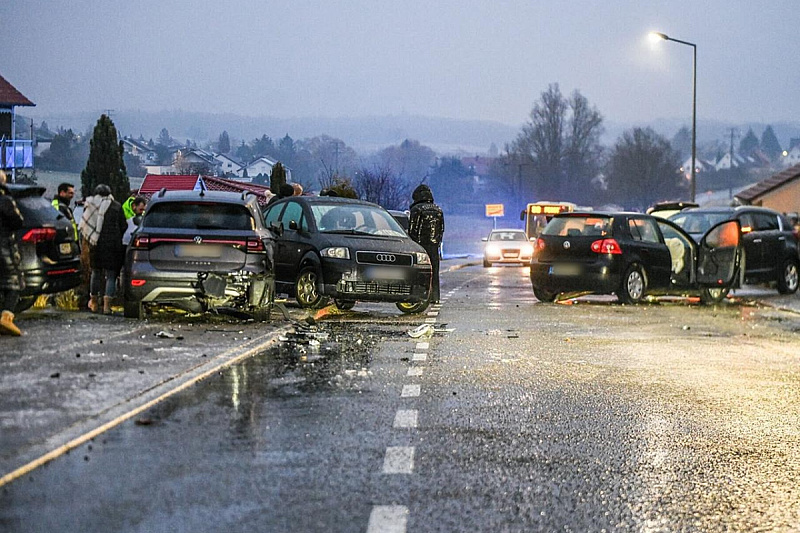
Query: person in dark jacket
x=11 y=279
x=64 y=196
x=426 y=228
x=103 y=225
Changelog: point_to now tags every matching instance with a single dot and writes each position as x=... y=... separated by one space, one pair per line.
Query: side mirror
x=522 y=215
x=293 y=225
x=485 y=239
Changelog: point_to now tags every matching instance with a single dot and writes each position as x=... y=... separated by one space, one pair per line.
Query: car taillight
x=39 y=235
x=138 y=282
x=606 y=246
x=254 y=244
x=539 y=244
x=141 y=242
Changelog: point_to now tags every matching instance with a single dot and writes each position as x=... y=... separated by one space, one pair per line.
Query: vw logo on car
x=386 y=258
x=198 y=240
x=567 y=245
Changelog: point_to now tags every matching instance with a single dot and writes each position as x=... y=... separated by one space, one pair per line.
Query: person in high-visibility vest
x=61 y=201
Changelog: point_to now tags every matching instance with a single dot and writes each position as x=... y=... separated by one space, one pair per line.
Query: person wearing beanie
x=426 y=228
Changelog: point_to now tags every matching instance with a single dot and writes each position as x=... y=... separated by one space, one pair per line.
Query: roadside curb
x=74 y=436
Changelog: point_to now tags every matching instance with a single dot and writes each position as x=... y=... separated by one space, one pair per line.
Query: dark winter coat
x=10 y=221
x=109 y=253
x=426 y=220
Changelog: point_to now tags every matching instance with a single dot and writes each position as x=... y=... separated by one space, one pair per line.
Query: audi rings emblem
x=198 y=239
x=567 y=245
x=385 y=258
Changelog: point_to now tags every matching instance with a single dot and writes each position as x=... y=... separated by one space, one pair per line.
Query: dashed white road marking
x=419 y=357
x=399 y=460
x=388 y=519
x=433 y=313
x=410 y=391
x=414 y=372
x=430 y=321
x=423 y=345
x=406 y=418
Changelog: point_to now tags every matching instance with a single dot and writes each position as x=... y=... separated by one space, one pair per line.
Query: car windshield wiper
x=347 y=232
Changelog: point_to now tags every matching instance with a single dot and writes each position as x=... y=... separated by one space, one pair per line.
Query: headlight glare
x=336 y=252
x=423 y=259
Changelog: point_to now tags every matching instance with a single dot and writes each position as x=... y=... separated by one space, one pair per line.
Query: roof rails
x=161 y=192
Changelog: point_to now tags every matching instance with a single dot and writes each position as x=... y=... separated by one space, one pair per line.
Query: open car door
x=720 y=255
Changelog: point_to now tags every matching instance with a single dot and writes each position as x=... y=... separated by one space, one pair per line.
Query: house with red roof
x=153 y=183
x=780 y=191
x=14 y=153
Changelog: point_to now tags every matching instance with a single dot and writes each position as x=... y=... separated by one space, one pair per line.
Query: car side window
x=272 y=215
x=643 y=230
x=292 y=213
x=765 y=222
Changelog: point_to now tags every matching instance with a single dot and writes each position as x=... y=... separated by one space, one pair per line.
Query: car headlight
x=527 y=249
x=336 y=252
x=423 y=259
x=493 y=249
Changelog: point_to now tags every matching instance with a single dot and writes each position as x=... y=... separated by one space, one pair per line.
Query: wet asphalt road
x=527 y=417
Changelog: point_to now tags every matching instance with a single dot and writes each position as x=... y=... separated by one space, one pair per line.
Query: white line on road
x=399 y=460
x=433 y=313
x=422 y=345
x=419 y=357
x=405 y=418
x=410 y=391
x=430 y=321
x=414 y=372
x=388 y=519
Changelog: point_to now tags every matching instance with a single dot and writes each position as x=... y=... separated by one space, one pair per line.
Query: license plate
x=385 y=273
x=511 y=254
x=65 y=248
x=567 y=269
x=197 y=250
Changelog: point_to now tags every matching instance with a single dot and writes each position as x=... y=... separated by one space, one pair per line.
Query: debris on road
x=425 y=330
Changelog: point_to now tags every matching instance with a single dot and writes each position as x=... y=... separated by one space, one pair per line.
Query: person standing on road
x=137 y=206
x=64 y=196
x=103 y=225
x=426 y=228
x=11 y=280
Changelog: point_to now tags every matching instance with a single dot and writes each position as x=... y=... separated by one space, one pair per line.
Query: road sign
x=494 y=210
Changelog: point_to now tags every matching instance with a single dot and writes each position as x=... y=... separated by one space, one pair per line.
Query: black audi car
x=633 y=255
x=347 y=250
x=50 y=255
x=199 y=250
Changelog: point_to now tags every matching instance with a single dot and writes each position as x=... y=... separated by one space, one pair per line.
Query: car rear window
x=698 y=222
x=202 y=216
x=578 y=226
x=508 y=236
x=36 y=210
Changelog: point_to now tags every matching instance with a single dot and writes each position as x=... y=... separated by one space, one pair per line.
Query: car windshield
x=508 y=236
x=356 y=219
x=197 y=215
x=578 y=226
x=698 y=222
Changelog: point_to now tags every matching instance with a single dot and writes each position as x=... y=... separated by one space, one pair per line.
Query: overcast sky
x=463 y=59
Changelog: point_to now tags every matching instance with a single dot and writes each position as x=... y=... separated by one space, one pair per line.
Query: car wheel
x=133 y=309
x=634 y=285
x=713 y=296
x=486 y=264
x=543 y=295
x=25 y=302
x=305 y=289
x=788 y=280
x=345 y=305
x=410 y=308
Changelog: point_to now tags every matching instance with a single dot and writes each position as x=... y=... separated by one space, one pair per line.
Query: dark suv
x=198 y=250
x=51 y=259
x=348 y=250
x=770 y=242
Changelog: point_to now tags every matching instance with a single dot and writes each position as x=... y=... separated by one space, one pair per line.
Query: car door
x=719 y=255
x=651 y=249
x=752 y=240
x=768 y=229
x=295 y=241
x=272 y=218
x=683 y=252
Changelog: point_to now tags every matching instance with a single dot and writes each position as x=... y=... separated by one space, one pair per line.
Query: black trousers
x=9 y=300
x=433 y=253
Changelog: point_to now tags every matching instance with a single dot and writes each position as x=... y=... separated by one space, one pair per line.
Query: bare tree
x=379 y=185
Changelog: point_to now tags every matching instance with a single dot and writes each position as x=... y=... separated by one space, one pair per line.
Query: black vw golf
x=631 y=255
x=348 y=250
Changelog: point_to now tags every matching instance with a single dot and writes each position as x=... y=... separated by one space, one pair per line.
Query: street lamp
x=662 y=36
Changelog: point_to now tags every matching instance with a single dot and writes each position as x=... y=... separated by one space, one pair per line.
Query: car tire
x=633 y=286
x=133 y=309
x=543 y=295
x=345 y=305
x=710 y=296
x=24 y=303
x=411 y=308
x=486 y=264
x=788 y=277
x=305 y=289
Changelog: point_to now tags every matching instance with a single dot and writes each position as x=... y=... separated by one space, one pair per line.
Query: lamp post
x=662 y=36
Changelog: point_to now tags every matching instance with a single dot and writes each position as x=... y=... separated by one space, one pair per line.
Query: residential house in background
x=140 y=149
x=791 y=157
x=14 y=153
x=263 y=165
x=228 y=166
x=780 y=191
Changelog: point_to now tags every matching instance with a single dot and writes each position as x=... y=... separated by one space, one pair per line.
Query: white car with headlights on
x=507 y=246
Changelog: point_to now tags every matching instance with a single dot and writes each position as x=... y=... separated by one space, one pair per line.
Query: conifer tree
x=770 y=144
x=277 y=178
x=105 y=164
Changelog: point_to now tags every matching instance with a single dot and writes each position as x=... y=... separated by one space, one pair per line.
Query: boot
x=7 y=326
x=93 y=304
x=107 y=305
